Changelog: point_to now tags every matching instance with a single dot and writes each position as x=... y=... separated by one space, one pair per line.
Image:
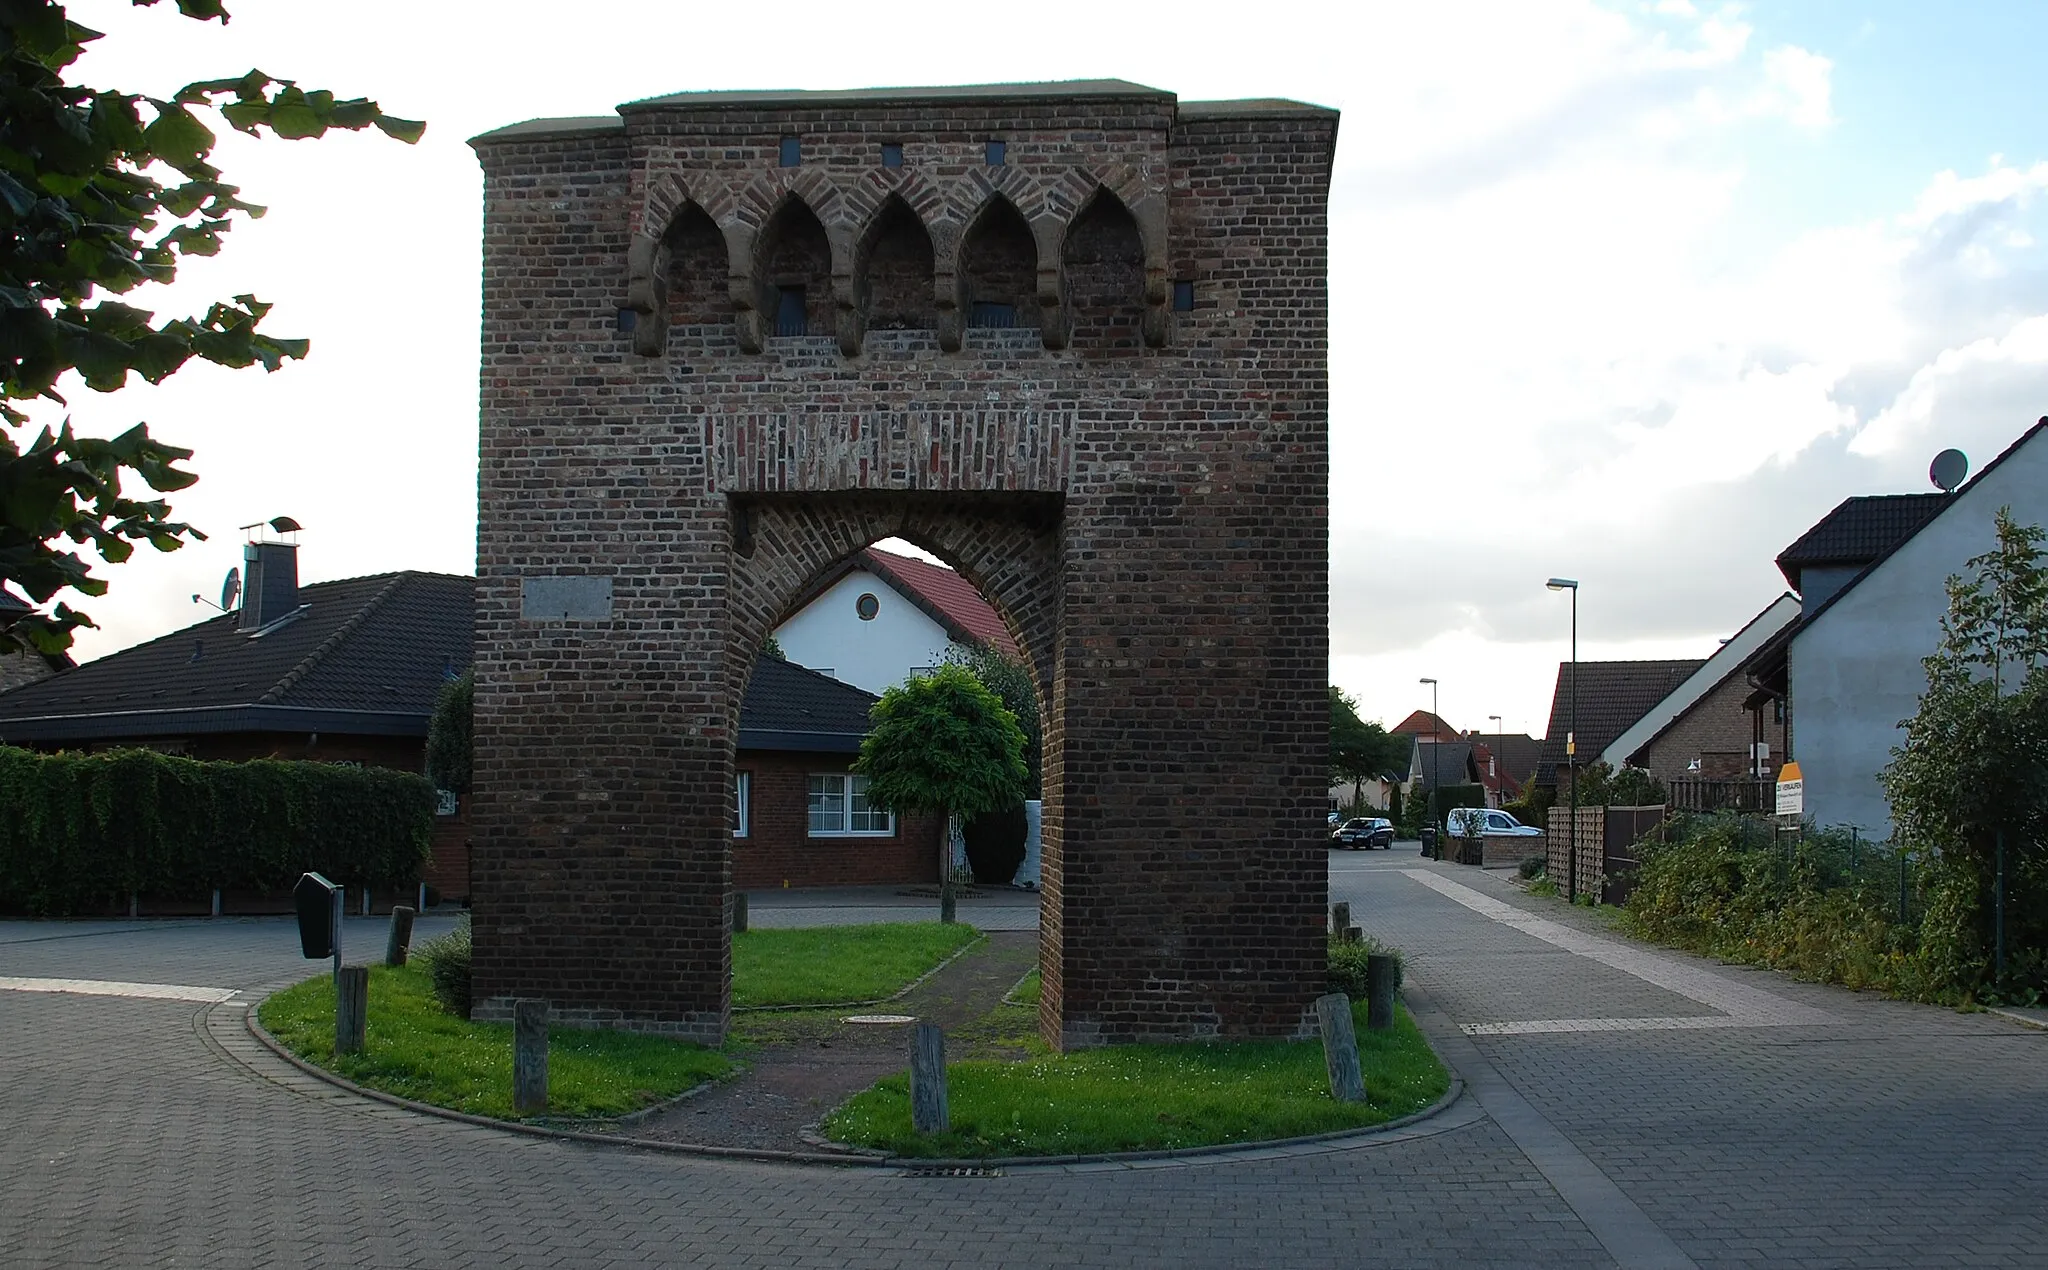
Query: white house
x=883 y=617
x=1852 y=663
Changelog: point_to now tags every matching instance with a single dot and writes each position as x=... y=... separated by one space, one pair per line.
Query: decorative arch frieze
x=849 y=211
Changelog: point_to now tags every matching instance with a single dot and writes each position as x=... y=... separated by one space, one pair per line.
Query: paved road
x=1629 y=1106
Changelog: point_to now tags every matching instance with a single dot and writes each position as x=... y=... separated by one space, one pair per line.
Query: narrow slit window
x=789 y=311
x=792 y=151
x=1183 y=297
x=987 y=315
x=892 y=154
x=998 y=153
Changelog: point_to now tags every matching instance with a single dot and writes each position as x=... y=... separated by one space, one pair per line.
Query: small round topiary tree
x=943 y=743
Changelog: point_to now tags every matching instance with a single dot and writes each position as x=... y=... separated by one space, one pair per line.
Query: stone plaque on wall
x=579 y=597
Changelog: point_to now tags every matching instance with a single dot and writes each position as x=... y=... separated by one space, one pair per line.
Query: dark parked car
x=1365 y=833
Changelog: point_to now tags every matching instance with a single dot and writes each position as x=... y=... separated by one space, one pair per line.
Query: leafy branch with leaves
x=102 y=192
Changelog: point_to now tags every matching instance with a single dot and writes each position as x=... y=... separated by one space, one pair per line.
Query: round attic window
x=867 y=606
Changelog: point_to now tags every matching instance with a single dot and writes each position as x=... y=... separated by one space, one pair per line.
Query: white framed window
x=839 y=808
x=742 y=796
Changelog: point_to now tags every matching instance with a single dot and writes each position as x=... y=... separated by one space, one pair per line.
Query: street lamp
x=1500 y=732
x=1571 y=740
x=1435 y=747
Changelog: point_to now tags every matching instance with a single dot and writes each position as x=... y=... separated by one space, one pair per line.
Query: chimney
x=270 y=583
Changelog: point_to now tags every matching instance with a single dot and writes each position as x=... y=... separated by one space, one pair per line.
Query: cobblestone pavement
x=139 y=1131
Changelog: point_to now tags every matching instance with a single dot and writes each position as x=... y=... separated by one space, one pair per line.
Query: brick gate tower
x=1070 y=338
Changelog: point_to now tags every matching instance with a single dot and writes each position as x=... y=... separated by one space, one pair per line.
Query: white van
x=1492 y=824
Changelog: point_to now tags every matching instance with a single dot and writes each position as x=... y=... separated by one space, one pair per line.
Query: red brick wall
x=1715 y=730
x=779 y=851
x=1149 y=515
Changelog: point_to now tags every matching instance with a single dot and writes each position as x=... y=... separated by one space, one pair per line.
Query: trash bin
x=1429 y=841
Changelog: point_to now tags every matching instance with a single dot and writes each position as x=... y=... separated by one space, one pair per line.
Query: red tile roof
x=1422 y=723
x=950 y=597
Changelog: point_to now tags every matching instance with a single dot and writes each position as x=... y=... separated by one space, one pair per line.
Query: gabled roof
x=941 y=594
x=1518 y=755
x=790 y=707
x=1858 y=531
x=1612 y=696
x=1422 y=723
x=1448 y=761
x=1767 y=666
x=367 y=657
x=1726 y=662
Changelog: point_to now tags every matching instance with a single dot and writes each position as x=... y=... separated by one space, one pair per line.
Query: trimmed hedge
x=80 y=830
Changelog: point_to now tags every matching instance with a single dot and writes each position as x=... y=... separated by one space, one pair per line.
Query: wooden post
x=398 y=944
x=351 y=1009
x=529 y=1055
x=1340 y=1047
x=216 y=901
x=1353 y=935
x=1340 y=917
x=134 y=905
x=739 y=912
x=928 y=1079
x=1382 y=972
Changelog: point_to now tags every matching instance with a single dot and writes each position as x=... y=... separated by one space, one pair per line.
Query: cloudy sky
x=1626 y=292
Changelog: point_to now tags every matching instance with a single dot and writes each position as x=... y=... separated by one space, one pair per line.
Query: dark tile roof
x=1518 y=753
x=1449 y=761
x=1768 y=665
x=1612 y=696
x=367 y=657
x=11 y=603
x=1858 y=531
x=790 y=707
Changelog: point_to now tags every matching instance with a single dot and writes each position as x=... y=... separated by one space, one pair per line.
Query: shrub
x=1533 y=867
x=79 y=831
x=1347 y=965
x=996 y=842
x=446 y=961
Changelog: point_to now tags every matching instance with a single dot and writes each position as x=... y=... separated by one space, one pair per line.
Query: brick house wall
x=1140 y=492
x=780 y=851
x=1715 y=730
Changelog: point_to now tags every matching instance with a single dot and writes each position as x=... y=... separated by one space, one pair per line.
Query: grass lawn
x=838 y=964
x=417 y=1050
x=1150 y=1097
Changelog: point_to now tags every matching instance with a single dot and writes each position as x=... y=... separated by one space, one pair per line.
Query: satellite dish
x=1948 y=470
x=230 y=590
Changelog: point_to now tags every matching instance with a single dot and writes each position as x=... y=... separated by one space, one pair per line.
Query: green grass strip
x=1150 y=1097
x=416 y=1050
x=827 y=965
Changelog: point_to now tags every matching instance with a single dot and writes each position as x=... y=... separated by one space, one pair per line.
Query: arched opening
x=999 y=269
x=841 y=589
x=696 y=269
x=1104 y=264
x=895 y=270
x=794 y=272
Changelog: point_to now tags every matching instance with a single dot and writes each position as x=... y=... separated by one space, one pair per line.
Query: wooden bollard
x=351 y=1009
x=1353 y=935
x=1340 y=917
x=1340 y=1047
x=739 y=912
x=928 y=1079
x=398 y=944
x=1382 y=973
x=529 y=1055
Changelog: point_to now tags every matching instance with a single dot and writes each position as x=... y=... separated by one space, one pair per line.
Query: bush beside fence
x=1819 y=904
x=80 y=830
